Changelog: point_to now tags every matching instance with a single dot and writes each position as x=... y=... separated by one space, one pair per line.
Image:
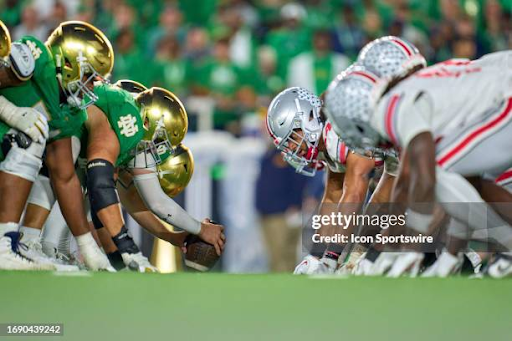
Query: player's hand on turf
x=32 y=123
x=213 y=234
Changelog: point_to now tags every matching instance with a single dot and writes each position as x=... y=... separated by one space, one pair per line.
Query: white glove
x=27 y=120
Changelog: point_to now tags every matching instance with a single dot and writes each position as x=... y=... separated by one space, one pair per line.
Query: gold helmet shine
x=163 y=114
x=165 y=122
x=176 y=171
x=132 y=87
x=83 y=54
x=5 y=42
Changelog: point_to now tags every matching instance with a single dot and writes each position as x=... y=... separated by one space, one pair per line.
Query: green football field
x=130 y=306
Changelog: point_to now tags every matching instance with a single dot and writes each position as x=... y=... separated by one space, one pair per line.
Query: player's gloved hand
x=308 y=266
x=214 y=234
x=327 y=266
x=27 y=120
x=34 y=124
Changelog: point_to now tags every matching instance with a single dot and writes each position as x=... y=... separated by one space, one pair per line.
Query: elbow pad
x=162 y=206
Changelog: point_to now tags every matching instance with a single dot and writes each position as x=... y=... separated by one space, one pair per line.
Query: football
x=200 y=256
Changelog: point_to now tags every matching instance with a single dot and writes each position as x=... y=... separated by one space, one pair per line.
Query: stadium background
x=227 y=58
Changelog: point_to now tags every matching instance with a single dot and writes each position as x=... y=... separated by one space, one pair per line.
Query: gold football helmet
x=176 y=171
x=5 y=43
x=165 y=123
x=132 y=87
x=83 y=54
x=164 y=115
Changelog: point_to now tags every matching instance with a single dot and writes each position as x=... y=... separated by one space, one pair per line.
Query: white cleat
x=446 y=265
x=34 y=252
x=308 y=266
x=94 y=258
x=406 y=263
x=12 y=260
x=364 y=267
x=137 y=262
x=500 y=267
x=61 y=258
x=383 y=263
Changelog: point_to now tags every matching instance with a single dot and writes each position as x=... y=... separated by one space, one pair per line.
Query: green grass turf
x=130 y=306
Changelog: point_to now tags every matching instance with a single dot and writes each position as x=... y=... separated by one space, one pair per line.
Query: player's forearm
x=8 y=78
x=421 y=151
x=162 y=206
x=69 y=195
x=65 y=183
x=150 y=222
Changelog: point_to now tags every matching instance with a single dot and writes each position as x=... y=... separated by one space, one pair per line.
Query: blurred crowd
x=239 y=53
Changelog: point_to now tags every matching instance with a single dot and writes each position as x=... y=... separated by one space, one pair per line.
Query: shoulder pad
x=22 y=61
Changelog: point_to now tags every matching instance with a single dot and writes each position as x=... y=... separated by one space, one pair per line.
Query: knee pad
x=101 y=186
x=23 y=162
x=41 y=193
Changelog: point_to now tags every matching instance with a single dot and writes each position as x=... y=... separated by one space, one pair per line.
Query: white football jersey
x=458 y=94
x=337 y=151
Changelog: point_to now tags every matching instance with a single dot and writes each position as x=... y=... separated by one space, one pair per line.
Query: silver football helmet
x=390 y=57
x=294 y=123
x=348 y=106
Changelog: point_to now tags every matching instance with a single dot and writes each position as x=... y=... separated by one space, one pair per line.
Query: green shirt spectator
x=130 y=62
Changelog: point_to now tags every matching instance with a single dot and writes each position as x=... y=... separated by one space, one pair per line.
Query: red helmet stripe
x=365 y=74
x=403 y=45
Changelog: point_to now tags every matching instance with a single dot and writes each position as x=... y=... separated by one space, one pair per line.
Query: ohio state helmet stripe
x=390 y=118
x=364 y=74
x=504 y=178
x=328 y=127
x=403 y=46
x=471 y=137
x=343 y=153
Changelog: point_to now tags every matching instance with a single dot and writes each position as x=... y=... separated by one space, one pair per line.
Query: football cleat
x=406 y=263
x=501 y=266
x=137 y=262
x=383 y=263
x=327 y=266
x=363 y=267
x=446 y=265
x=34 y=251
x=10 y=257
x=308 y=266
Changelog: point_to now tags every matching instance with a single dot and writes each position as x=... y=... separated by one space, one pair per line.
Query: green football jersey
x=42 y=93
x=123 y=114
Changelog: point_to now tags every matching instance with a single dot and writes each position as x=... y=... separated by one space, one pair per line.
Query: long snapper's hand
x=214 y=234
